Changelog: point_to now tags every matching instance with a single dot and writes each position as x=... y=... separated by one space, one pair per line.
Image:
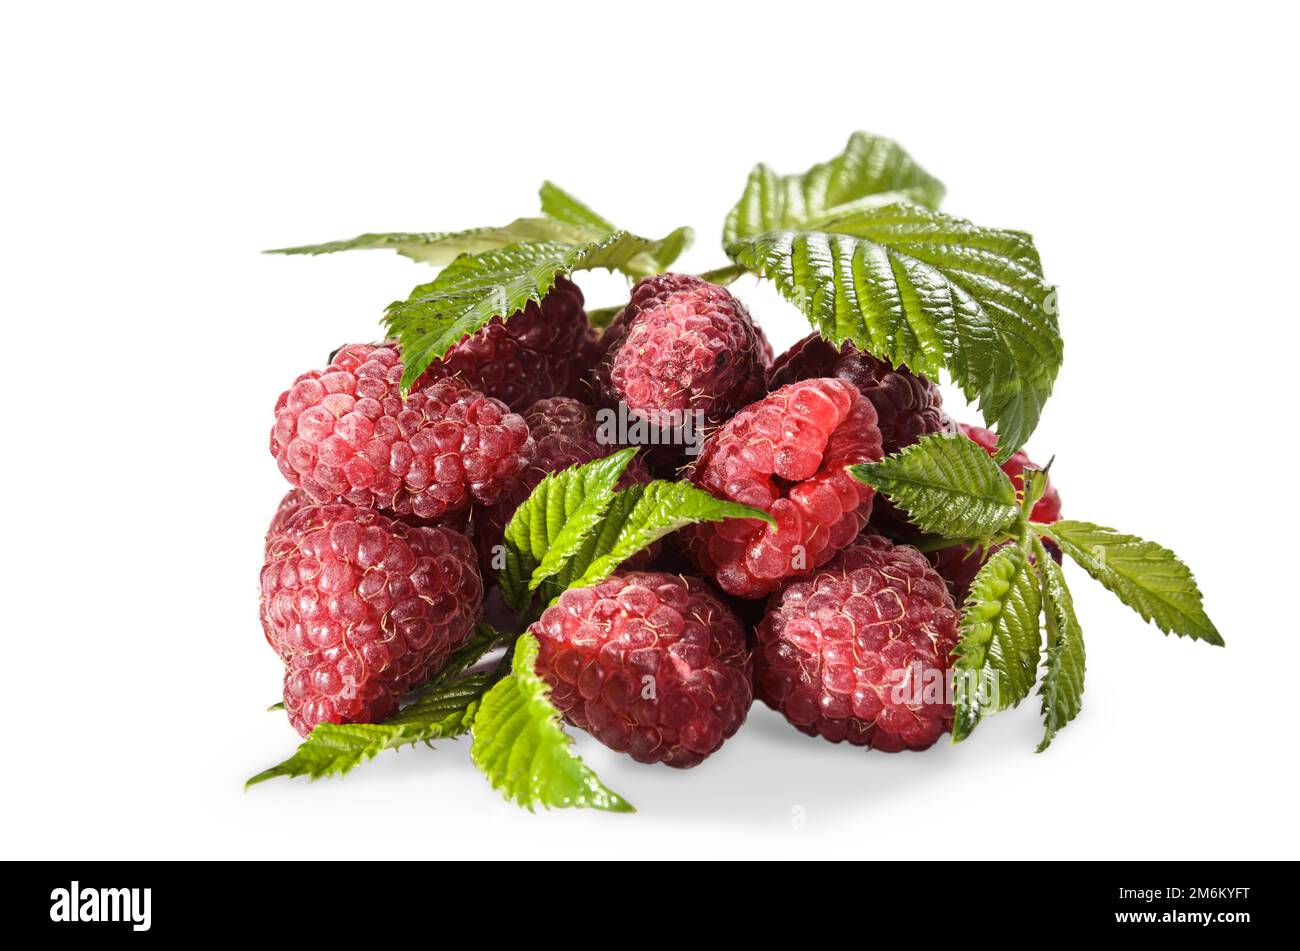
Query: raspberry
x=651 y=664
x=543 y=350
x=681 y=345
x=907 y=406
x=786 y=455
x=344 y=433
x=293 y=500
x=361 y=608
x=860 y=650
x=958 y=564
x=565 y=434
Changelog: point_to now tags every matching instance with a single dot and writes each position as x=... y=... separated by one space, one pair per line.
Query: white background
x=150 y=151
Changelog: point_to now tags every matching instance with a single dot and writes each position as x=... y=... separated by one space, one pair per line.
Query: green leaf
x=948 y=485
x=477 y=287
x=443 y=709
x=999 y=640
x=566 y=221
x=638 y=516
x=870 y=171
x=932 y=292
x=574 y=528
x=563 y=207
x=442 y=247
x=480 y=644
x=559 y=205
x=551 y=524
x=1147 y=577
x=522 y=750
x=334 y=749
x=661 y=254
x=1062 y=684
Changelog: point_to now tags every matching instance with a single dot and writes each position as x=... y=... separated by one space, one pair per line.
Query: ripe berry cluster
x=379 y=560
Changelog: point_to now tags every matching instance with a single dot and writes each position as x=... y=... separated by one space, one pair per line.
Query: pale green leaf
x=521 y=748
x=1149 y=578
x=870 y=171
x=443 y=708
x=442 y=247
x=559 y=205
x=563 y=207
x=334 y=749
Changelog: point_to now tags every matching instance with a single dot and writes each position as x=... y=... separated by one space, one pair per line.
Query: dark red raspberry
x=786 y=455
x=651 y=664
x=681 y=345
x=958 y=564
x=344 y=433
x=907 y=406
x=565 y=433
x=543 y=350
x=860 y=651
x=361 y=608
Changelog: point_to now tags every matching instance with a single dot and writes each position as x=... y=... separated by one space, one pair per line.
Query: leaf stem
x=936 y=543
x=722 y=275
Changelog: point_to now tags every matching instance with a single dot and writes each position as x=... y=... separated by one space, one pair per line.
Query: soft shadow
x=769 y=771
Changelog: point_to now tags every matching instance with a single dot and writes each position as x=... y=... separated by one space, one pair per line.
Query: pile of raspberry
x=381 y=557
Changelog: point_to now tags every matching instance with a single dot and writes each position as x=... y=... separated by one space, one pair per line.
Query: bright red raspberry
x=546 y=349
x=860 y=651
x=907 y=406
x=786 y=455
x=345 y=433
x=681 y=345
x=361 y=608
x=566 y=434
x=958 y=564
x=293 y=500
x=651 y=664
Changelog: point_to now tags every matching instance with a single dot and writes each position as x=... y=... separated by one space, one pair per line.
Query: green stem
x=932 y=543
x=722 y=275
x=936 y=543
